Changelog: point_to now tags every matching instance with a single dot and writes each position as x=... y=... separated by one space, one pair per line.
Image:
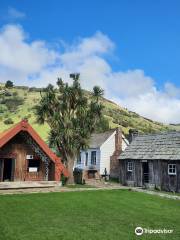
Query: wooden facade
x=152 y=161
x=25 y=157
x=154 y=175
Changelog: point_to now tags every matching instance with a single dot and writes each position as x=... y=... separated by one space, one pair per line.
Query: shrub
x=13 y=103
x=15 y=94
x=9 y=84
x=7 y=94
x=8 y=121
x=3 y=108
x=34 y=89
x=102 y=125
x=28 y=116
x=23 y=87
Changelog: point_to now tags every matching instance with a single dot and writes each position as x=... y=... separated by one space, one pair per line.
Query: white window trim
x=94 y=161
x=130 y=166
x=86 y=159
x=171 y=166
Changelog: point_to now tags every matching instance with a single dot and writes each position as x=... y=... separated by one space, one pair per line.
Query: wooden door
x=145 y=172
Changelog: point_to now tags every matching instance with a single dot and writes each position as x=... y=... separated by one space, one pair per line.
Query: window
x=86 y=161
x=79 y=159
x=172 y=169
x=93 y=157
x=130 y=166
x=33 y=165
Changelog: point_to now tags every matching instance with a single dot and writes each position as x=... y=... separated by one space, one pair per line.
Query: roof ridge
x=159 y=133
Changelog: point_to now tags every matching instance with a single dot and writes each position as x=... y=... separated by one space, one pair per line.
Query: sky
x=131 y=48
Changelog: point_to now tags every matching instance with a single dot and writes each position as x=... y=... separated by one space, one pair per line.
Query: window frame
x=172 y=169
x=130 y=166
x=86 y=158
x=93 y=157
x=30 y=165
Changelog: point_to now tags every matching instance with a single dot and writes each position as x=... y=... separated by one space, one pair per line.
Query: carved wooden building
x=24 y=156
x=152 y=161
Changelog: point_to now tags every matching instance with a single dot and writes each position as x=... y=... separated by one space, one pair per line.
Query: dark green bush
x=3 y=108
x=8 y=121
x=15 y=94
x=13 y=103
x=9 y=84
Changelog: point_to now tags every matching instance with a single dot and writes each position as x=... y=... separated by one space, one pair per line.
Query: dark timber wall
x=158 y=174
x=17 y=148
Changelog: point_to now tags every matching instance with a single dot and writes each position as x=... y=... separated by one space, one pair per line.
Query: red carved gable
x=26 y=127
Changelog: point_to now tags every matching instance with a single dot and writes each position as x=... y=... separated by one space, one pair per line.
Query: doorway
x=7 y=171
x=91 y=174
x=145 y=171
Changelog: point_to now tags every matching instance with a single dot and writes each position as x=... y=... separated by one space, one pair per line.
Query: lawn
x=104 y=215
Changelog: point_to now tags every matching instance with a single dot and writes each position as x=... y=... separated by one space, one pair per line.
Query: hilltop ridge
x=18 y=102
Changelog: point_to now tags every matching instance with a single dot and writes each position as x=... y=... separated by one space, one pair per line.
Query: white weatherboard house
x=102 y=155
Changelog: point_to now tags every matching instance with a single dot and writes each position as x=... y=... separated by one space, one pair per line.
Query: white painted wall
x=83 y=158
x=103 y=154
x=107 y=149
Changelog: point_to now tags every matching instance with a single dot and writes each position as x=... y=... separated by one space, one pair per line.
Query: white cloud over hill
x=35 y=63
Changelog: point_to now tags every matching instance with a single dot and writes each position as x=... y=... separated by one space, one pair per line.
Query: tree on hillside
x=9 y=84
x=72 y=118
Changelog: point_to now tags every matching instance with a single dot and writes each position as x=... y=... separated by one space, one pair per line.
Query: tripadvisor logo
x=139 y=231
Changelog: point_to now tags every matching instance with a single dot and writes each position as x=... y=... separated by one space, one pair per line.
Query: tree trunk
x=70 y=165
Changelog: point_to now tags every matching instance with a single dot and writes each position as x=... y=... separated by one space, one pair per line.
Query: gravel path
x=110 y=186
x=161 y=194
x=58 y=189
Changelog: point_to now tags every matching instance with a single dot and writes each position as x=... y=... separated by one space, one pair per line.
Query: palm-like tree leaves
x=71 y=116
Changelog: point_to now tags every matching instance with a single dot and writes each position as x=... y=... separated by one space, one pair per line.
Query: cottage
x=101 y=158
x=24 y=156
x=152 y=161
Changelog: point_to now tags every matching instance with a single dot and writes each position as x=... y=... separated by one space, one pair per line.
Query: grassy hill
x=18 y=102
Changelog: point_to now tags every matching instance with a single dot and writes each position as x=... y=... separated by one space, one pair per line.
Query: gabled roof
x=7 y=135
x=97 y=139
x=163 y=146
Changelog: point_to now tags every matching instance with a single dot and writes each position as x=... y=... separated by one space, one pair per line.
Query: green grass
x=79 y=186
x=91 y=215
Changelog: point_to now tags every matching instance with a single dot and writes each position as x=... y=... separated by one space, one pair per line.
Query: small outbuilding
x=24 y=156
x=152 y=161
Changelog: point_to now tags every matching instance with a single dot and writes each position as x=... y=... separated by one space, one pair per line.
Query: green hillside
x=18 y=102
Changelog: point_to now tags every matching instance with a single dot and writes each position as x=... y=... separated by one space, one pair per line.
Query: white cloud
x=14 y=14
x=34 y=63
x=23 y=57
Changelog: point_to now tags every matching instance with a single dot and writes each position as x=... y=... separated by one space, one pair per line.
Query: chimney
x=118 y=141
x=133 y=133
x=114 y=159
